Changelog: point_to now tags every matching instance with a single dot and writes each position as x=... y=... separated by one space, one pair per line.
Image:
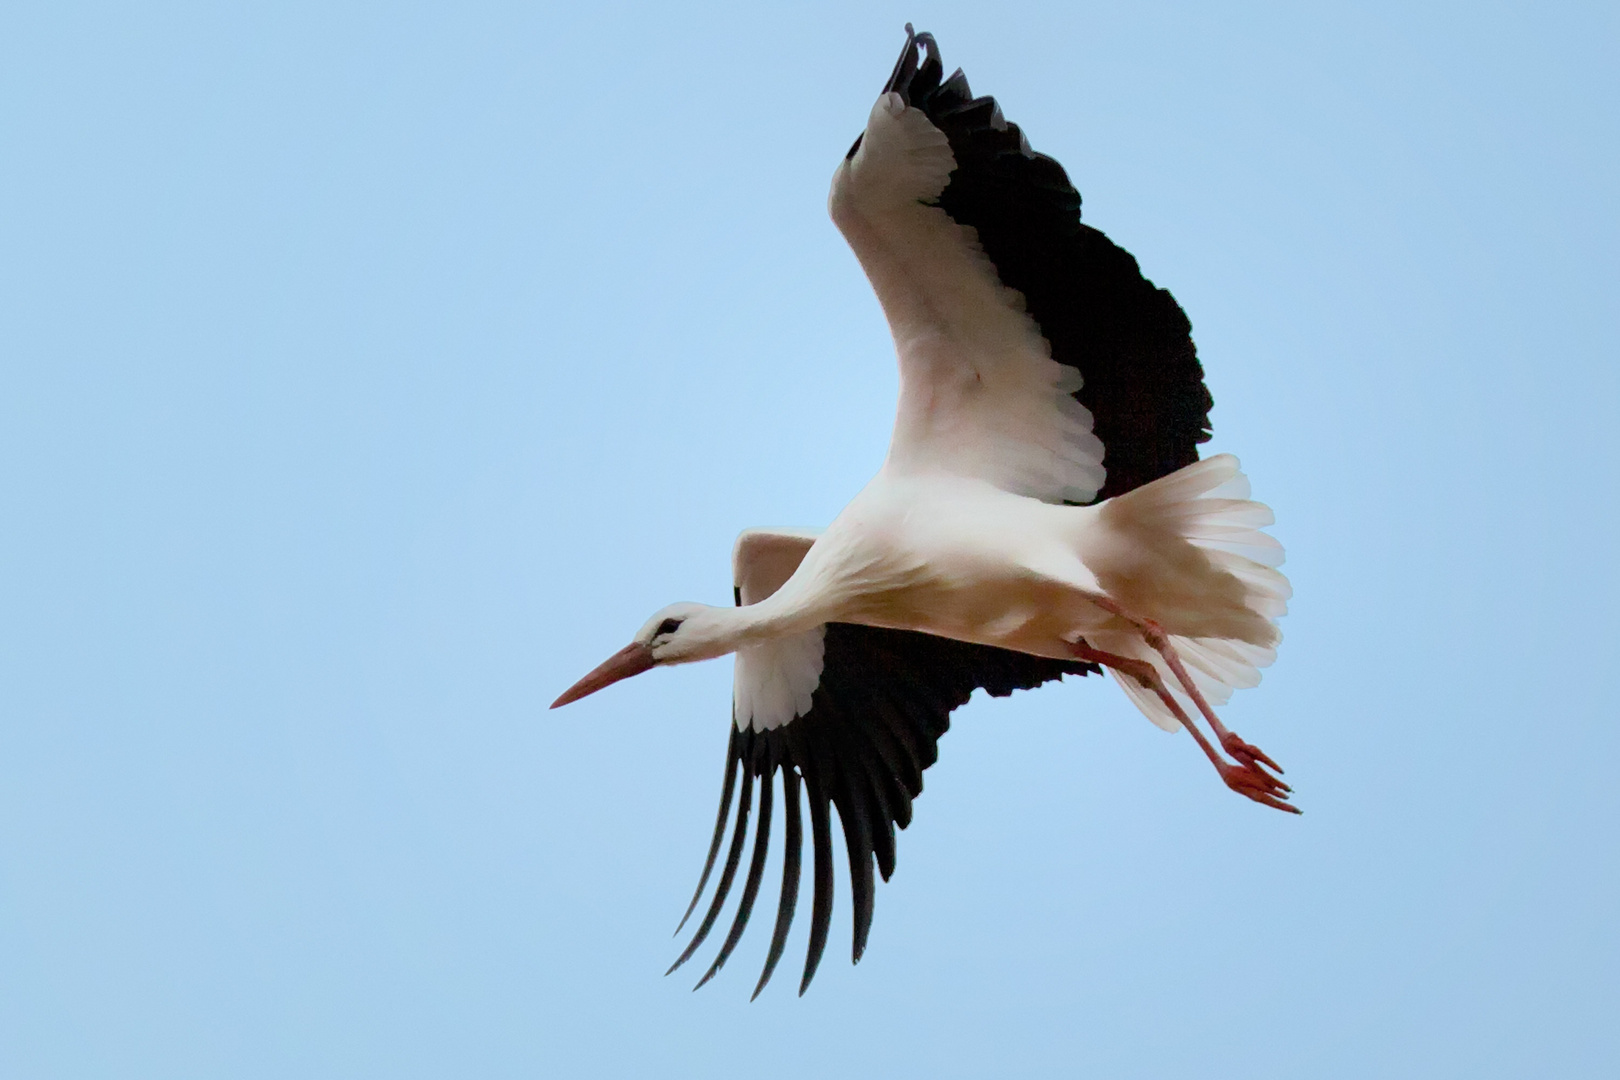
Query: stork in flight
x=1042 y=512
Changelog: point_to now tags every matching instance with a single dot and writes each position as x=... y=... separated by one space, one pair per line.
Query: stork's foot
x=1253 y=782
x=1248 y=777
x=1247 y=753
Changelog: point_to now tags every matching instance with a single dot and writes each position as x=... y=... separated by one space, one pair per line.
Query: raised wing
x=880 y=701
x=1033 y=353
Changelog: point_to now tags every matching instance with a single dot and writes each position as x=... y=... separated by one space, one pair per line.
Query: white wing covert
x=774 y=681
x=980 y=395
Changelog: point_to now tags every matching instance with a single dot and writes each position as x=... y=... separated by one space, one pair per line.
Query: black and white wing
x=1033 y=354
x=869 y=726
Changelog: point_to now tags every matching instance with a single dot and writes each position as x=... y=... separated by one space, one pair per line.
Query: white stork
x=1042 y=512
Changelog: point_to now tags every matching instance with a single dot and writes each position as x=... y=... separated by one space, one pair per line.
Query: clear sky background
x=368 y=372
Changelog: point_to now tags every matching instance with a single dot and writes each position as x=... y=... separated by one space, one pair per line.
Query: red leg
x=1245 y=779
x=1154 y=635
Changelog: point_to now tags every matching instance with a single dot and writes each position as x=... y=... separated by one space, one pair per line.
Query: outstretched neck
x=710 y=632
x=779 y=615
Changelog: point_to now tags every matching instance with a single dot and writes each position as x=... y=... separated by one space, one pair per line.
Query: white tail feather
x=1207 y=505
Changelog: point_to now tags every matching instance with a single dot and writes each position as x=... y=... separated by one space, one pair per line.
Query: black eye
x=668 y=626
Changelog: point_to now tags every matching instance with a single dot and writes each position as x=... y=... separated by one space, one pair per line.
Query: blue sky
x=369 y=372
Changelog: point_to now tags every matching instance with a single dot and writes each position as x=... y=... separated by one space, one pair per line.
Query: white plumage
x=963 y=559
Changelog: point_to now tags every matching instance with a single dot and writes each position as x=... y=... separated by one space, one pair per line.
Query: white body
x=963 y=559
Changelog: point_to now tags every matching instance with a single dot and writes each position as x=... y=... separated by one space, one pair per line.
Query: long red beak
x=633 y=659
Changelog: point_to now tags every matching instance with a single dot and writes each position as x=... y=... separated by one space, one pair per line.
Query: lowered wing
x=869 y=725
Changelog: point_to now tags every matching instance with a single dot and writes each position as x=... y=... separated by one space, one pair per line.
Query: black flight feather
x=822 y=896
x=756 y=873
x=719 y=827
x=733 y=858
x=792 y=843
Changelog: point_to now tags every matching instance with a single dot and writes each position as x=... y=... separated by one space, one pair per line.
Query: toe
x=1267 y=800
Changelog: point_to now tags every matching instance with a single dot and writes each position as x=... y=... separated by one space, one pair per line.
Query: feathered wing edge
x=874 y=725
x=1130 y=340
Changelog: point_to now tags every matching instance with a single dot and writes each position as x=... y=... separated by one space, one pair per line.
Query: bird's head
x=679 y=634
